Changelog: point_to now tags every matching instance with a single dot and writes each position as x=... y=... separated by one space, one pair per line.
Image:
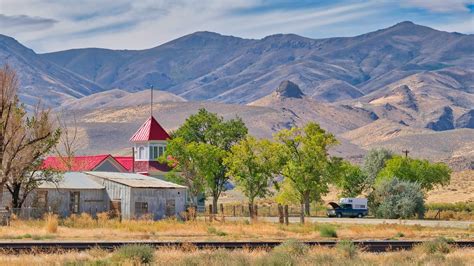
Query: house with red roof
x=149 y=143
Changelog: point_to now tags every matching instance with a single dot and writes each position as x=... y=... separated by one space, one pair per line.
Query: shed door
x=74 y=201
x=170 y=207
x=116 y=208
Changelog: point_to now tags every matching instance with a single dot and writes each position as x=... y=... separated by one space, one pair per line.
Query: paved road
x=431 y=223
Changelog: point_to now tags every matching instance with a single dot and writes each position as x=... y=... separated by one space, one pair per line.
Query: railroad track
x=370 y=245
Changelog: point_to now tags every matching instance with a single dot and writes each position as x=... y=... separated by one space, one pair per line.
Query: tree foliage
x=24 y=140
x=252 y=164
x=219 y=136
x=394 y=198
x=374 y=162
x=351 y=180
x=428 y=175
x=307 y=165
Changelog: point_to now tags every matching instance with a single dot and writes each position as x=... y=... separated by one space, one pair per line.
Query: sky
x=53 y=25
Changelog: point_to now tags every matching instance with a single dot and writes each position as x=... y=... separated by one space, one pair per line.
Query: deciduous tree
x=307 y=165
x=252 y=164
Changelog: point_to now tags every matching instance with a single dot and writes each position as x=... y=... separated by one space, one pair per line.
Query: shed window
x=141 y=208
x=42 y=198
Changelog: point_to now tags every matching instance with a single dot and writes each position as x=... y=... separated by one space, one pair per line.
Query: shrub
x=135 y=253
x=51 y=223
x=439 y=245
x=395 y=199
x=215 y=231
x=347 y=248
x=291 y=247
x=327 y=231
x=399 y=234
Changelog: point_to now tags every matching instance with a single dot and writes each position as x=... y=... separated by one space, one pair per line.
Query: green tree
x=427 y=174
x=351 y=180
x=181 y=156
x=252 y=164
x=374 y=162
x=307 y=165
x=213 y=130
x=394 y=198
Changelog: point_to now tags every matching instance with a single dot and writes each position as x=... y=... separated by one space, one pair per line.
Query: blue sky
x=56 y=25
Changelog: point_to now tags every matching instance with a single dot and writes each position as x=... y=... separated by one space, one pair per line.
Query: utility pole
x=151 y=101
x=406 y=152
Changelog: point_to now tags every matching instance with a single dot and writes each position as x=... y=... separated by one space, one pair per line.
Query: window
x=141 y=152
x=74 y=201
x=141 y=208
x=156 y=152
x=42 y=198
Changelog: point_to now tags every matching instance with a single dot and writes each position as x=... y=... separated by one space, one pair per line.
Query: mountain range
x=404 y=85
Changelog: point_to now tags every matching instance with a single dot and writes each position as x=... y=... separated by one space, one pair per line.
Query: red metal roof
x=150 y=130
x=78 y=163
x=125 y=161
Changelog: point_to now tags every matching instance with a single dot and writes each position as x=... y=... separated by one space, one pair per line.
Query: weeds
x=215 y=231
x=51 y=223
x=347 y=248
x=327 y=231
x=292 y=247
x=134 y=254
x=439 y=245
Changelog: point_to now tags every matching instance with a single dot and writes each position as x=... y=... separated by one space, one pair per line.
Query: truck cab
x=349 y=207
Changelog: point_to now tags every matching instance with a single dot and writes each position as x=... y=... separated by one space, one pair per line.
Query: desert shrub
x=327 y=231
x=347 y=248
x=215 y=231
x=134 y=253
x=399 y=234
x=84 y=220
x=439 y=245
x=397 y=199
x=276 y=259
x=51 y=223
x=291 y=247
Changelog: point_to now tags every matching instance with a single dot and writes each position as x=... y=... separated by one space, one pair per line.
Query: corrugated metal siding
x=156 y=199
x=116 y=191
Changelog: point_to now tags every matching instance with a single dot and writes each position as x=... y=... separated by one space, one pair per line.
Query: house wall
x=156 y=199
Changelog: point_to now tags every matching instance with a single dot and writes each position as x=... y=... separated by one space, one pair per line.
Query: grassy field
x=84 y=227
x=437 y=252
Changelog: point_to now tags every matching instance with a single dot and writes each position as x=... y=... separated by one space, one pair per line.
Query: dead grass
x=84 y=227
x=291 y=253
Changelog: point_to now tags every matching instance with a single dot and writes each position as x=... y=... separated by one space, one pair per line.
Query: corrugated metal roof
x=135 y=180
x=74 y=180
x=150 y=130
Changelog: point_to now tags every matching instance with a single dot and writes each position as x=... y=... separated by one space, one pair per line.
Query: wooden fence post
x=233 y=210
x=286 y=215
x=302 y=214
x=280 y=213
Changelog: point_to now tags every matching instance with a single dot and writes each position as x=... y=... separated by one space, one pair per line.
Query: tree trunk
x=16 y=196
x=214 y=205
x=251 y=211
x=302 y=213
x=307 y=204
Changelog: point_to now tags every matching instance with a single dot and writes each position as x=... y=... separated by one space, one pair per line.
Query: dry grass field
x=460 y=189
x=85 y=228
x=289 y=253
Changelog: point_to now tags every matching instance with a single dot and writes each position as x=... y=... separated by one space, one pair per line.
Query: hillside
x=210 y=66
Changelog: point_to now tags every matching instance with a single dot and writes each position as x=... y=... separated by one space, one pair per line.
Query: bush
x=51 y=223
x=347 y=248
x=291 y=247
x=135 y=253
x=213 y=230
x=395 y=199
x=327 y=231
x=439 y=245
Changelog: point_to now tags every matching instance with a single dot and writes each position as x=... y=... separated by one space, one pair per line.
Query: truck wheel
x=338 y=215
x=360 y=215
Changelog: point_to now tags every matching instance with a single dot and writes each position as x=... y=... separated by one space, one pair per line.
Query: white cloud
x=441 y=6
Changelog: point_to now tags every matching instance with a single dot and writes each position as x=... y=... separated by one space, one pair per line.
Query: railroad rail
x=367 y=245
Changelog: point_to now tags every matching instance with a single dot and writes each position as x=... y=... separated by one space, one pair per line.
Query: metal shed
x=136 y=195
x=75 y=194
